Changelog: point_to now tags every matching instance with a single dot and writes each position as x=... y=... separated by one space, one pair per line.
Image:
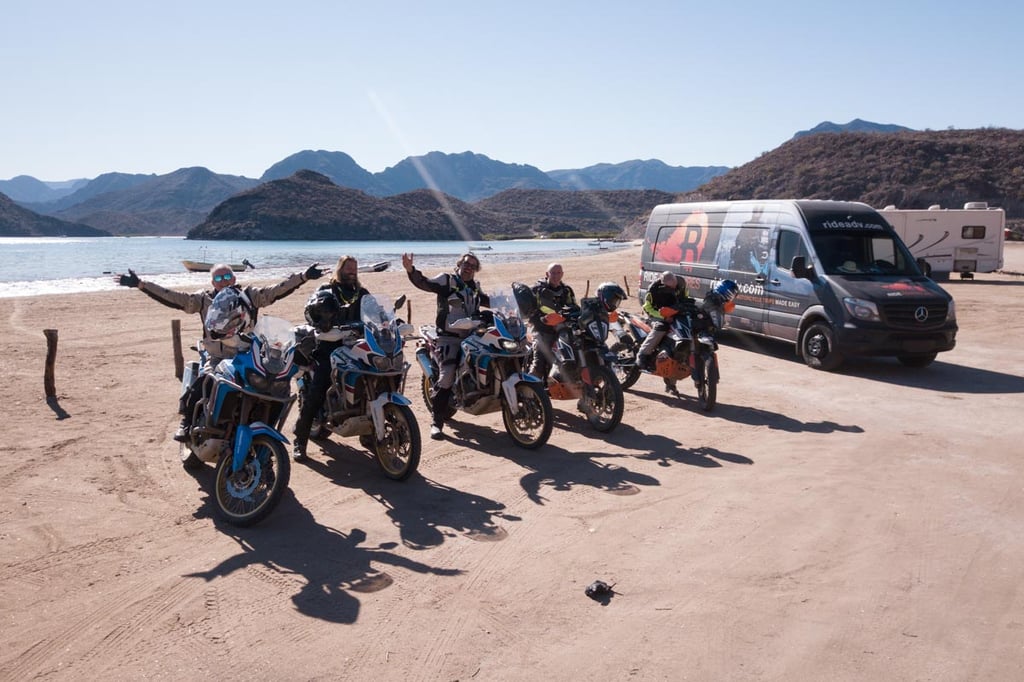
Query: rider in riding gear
x=458 y=296
x=553 y=295
x=221 y=276
x=668 y=292
x=334 y=304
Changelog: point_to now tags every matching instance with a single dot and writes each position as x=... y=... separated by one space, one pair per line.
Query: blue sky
x=235 y=86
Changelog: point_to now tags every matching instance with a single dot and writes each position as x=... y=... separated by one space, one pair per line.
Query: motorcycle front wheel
x=605 y=398
x=707 y=388
x=399 y=453
x=246 y=496
x=530 y=426
x=624 y=364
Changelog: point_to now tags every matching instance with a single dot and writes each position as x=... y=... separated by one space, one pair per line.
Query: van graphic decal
x=904 y=287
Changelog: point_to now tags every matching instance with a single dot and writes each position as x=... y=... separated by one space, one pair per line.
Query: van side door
x=786 y=296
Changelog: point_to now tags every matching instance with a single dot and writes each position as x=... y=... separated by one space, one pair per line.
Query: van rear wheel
x=818 y=348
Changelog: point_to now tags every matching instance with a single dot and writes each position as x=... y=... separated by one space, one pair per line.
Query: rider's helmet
x=727 y=289
x=322 y=309
x=611 y=295
x=231 y=313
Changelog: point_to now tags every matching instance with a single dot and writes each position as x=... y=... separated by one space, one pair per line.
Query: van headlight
x=951 y=311
x=859 y=309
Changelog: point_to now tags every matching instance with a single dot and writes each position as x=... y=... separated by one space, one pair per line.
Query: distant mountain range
x=490 y=197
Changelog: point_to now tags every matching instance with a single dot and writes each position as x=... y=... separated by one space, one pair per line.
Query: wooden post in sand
x=51 y=358
x=625 y=280
x=179 y=361
x=408 y=311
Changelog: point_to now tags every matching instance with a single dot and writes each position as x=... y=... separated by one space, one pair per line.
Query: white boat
x=375 y=267
x=202 y=266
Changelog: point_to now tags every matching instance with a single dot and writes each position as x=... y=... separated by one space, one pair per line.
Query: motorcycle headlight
x=509 y=345
x=386 y=363
x=259 y=382
x=598 y=329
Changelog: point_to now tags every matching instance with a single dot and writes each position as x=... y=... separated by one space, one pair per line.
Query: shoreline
x=434 y=255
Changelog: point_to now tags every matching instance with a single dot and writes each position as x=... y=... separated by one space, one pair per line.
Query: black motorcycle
x=581 y=370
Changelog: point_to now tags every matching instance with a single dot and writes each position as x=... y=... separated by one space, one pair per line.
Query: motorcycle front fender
x=243 y=440
x=508 y=388
x=423 y=357
x=376 y=408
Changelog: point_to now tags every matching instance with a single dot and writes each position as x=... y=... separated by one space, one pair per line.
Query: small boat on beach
x=375 y=267
x=202 y=266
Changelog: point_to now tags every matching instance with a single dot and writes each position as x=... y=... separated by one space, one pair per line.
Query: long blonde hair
x=336 y=277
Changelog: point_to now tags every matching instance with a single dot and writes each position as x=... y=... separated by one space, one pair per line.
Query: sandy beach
x=860 y=525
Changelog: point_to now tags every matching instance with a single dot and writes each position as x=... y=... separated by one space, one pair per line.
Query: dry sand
x=865 y=524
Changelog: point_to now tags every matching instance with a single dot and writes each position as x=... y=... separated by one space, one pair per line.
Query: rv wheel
x=818 y=348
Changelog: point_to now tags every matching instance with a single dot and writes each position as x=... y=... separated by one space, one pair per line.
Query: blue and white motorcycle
x=491 y=374
x=365 y=396
x=238 y=421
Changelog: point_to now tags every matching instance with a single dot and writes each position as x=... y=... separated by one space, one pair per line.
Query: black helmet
x=611 y=294
x=322 y=308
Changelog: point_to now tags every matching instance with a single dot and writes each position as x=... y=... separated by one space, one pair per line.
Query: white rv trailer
x=966 y=240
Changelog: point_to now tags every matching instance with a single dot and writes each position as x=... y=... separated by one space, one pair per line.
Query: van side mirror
x=925 y=267
x=801 y=268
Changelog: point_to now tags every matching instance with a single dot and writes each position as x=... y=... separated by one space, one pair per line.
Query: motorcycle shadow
x=323 y=566
x=425 y=512
x=755 y=416
x=657 y=447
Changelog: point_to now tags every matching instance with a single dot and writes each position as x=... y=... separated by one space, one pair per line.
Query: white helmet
x=231 y=313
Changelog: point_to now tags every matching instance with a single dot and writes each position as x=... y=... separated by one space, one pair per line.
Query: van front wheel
x=818 y=348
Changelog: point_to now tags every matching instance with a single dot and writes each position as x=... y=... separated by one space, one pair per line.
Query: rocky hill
x=160 y=205
x=17 y=221
x=308 y=205
x=906 y=169
x=885 y=165
x=649 y=174
x=592 y=212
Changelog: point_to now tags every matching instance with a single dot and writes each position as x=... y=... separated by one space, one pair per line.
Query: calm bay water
x=40 y=266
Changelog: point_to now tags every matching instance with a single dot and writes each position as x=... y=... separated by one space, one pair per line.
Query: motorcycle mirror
x=399 y=302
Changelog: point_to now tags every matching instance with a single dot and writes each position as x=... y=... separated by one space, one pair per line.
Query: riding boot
x=440 y=405
x=299 y=450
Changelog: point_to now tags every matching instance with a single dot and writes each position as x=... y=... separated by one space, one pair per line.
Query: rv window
x=973 y=232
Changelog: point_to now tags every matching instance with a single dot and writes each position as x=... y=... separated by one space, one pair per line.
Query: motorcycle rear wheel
x=707 y=389
x=531 y=426
x=605 y=400
x=624 y=364
x=247 y=496
x=399 y=453
x=428 y=387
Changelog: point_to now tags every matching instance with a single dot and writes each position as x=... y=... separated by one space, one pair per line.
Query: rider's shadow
x=426 y=512
x=326 y=565
x=561 y=470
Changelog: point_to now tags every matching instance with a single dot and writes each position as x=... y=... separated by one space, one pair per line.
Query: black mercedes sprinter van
x=832 y=277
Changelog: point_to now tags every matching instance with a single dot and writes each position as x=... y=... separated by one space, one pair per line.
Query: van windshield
x=863 y=253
